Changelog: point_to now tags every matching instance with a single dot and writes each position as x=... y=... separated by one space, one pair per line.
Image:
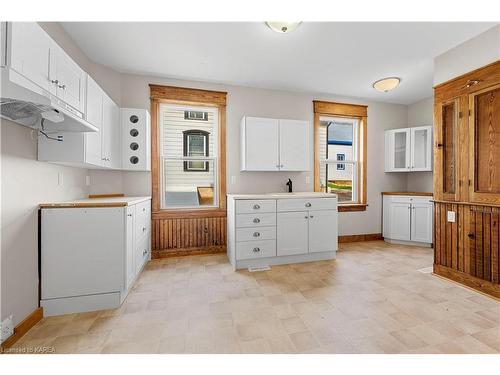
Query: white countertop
x=297 y=195
x=97 y=202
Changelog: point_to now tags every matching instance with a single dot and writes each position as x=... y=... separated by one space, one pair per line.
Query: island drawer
x=253 y=206
x=305 y=204
x=256 y=249
x=255 y=234
x=256 y=220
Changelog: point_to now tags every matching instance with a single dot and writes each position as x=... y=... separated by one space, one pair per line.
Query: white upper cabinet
x=408 y=149
x=30 y=51
x=259 y=144
x=294 y=145
x=421 y=149
x=274 y=145
x=94 y=116
x=111 y=137
x=67 y=78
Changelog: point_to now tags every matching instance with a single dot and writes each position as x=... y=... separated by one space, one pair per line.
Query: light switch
x=60 y=178
x=87 y=180
x=450 y=216
x=308 y=179
x=233 y=180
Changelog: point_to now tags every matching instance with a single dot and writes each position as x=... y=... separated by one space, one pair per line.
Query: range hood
x=26 y=104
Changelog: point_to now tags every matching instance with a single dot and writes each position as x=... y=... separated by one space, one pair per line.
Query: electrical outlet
x=7 y=328
x=87 y=180
x=308 y=179
x=233 y=180
x=60 y=178
x=450 y=216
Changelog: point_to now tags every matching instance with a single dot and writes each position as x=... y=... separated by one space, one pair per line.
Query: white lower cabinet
x=264 y=231
x=293 y=233
x=91 y=256
x=408 y=219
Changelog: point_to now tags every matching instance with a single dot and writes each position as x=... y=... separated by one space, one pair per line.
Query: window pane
x=194 y=189
x=338 y=179
x=174 y=124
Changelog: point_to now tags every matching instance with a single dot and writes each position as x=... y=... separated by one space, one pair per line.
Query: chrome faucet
x=289 y=184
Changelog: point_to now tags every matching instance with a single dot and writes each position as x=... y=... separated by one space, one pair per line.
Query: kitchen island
x=281 y=228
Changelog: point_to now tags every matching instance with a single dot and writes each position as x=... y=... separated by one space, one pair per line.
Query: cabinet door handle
x=129 y=215
x=256 y=249
x=256 y=220
x=471 y=235
x=143 y=229
x=256 y=206
x=62 y=87
x=54 y=81
x=308 y=204
x=311 y=216
x=439 y=145
x=306 y=217
x=256 y=234
x=144 y=210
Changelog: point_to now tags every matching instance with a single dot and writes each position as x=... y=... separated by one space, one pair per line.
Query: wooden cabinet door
x=94 y=114
x=322 y=231
x=29 y=52
x=484 y=146
x=294 y=145
x=260 y=144
x=421 y=149
x=446 y=152
x=292 y=233
x=421 y=222
x=69 y=77
x=397 y=150
x=399 y=221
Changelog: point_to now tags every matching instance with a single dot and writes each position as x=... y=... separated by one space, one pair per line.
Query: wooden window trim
x=360 y=112
x=186 y=96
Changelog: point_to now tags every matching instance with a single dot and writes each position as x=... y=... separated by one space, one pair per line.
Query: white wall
x=243 y=101
x=420 y=114
x=472 y=54
x=25 y=184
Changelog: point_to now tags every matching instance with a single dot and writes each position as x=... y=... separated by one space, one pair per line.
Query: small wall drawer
x=284 y=205
x=256 y=220
x=252 y=206
x=256 y=249
x=255 y=234
x=408 y=199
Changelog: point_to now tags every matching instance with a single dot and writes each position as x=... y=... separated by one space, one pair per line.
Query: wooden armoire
x=467 y=179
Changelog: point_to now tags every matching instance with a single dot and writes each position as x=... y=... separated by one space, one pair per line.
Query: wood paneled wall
x=191 y=235
x=467 y=250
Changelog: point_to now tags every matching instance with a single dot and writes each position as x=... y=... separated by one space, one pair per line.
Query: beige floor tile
x=371 y=299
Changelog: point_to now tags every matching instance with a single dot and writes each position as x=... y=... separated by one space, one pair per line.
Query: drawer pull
x=311 y=216
x=308 y=204
x=256 y=234
x=256 y=206
x=144 y=252
x=143 y=229
x=256 y=249
x=256 y=220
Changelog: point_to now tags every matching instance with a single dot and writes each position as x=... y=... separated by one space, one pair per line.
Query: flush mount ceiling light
x=283 y=27
x=386 y=84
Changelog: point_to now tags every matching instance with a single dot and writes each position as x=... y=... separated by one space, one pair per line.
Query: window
x=340 y=147
x=188 y=150
x=340 y=157
x=195 y=144
x=196 y=115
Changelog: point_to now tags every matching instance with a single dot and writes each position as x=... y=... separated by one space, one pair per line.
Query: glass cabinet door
x=421 y=148
x=398 y=150
x=484 y=145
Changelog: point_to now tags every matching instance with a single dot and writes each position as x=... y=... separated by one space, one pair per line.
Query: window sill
x=191 y=213
x=352 y=207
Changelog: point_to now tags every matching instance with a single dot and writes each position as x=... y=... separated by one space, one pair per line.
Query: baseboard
x=23 y=327
x=482 y=286
x=171 y=253
x=360 y=237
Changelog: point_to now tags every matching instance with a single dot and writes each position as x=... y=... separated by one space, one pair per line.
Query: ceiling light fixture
x=386 y=84
x=283 y=27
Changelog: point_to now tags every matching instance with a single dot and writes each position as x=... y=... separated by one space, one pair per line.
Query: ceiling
x=342 y=58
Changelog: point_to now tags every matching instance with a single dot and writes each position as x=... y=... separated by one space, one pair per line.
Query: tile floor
x=372 y=299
